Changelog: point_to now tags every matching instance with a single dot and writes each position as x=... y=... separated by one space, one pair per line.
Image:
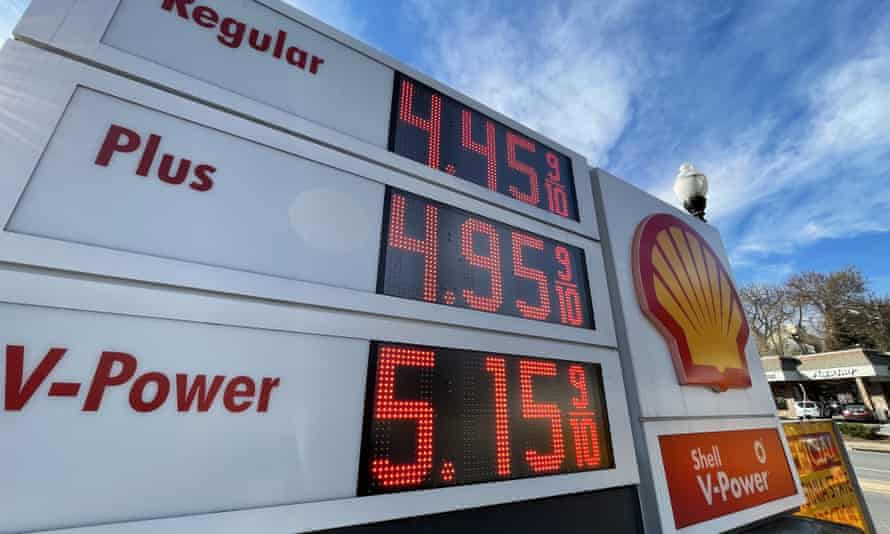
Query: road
x=873 y=472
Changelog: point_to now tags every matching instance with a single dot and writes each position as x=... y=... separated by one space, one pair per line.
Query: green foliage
x=865 y=323
x=858 y=430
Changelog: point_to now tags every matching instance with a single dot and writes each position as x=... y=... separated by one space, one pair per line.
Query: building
x=846 y=376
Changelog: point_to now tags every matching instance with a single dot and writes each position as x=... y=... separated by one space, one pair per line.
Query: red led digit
x=432 y=125
x=386 y=407
x=448 y=471
x=533 y=196
x=566 y=290
x=497 y=367
x=578 y=379
x=557 y=202
x=492 y=263
x=564 y=259
x=541 y=463
x=587 y=443
x=569 y=305
x=553 y=163
x=428 y=247
x=487 y=150
x=581 y=419
x=530 y=311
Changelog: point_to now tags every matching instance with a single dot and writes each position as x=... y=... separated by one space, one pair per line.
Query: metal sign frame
x=49 y=272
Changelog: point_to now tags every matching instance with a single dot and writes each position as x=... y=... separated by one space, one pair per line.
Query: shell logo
x=686 y=292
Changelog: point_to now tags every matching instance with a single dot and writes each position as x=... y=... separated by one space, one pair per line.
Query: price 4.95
x=437 y=253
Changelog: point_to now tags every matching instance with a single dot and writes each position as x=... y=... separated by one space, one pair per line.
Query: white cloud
x=571 y=70
x=829 y=181
x=557 y=70
x=853 y=104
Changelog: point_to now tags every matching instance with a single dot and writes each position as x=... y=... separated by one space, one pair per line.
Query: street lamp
x=691 y=187
x=803 y=390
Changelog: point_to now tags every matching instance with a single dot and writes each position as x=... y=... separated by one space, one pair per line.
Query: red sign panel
x=712 y=474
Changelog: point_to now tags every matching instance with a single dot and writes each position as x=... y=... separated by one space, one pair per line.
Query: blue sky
x=784 y=105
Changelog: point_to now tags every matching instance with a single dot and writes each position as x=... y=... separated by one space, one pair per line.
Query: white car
x=806 y=409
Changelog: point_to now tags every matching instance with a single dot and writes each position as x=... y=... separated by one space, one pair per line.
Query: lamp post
x=691 y=187
x=804 y=391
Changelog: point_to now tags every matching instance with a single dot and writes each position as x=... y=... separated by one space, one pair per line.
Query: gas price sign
x=441 y=417
x=442 y=133
x=438 y=253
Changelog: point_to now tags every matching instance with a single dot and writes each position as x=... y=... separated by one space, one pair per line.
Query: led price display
x=437 y=253
x=438 y=131
x=441 y=417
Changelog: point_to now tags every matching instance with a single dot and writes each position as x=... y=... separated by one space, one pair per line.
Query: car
x=857 y=412
x=832 y=408
x=806 y=409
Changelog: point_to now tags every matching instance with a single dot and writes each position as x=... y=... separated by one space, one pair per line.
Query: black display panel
x=616 y=510
x=444 y=134
x=437 y=253
x=437 y=417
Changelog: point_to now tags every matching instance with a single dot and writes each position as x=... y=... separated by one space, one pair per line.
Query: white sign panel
x=191 y=265
x=840 y=372
x=104 y=175
x=256 y=52
x=123 y=176
x=625 y=208
x=195 y=286
x=148 y=418
x=688 y=347
x=157 y=409
x=269 y=62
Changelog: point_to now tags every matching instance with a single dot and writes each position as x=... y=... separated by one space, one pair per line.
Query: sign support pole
x=866 y=513
x=646 y=491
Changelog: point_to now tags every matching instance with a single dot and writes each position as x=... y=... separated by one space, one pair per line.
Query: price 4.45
x=444 y=134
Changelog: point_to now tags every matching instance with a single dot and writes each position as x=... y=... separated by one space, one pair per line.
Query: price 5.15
x=439 y=417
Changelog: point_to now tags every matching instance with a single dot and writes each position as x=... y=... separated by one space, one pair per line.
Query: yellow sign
x=824 y=471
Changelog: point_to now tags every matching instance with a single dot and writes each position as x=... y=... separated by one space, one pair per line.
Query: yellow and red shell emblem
x=686 y=292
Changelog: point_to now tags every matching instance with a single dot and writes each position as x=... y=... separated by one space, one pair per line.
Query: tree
x=882 y=335
x=818 y=311
x=836 y=297
x=865 y=324
x=769 y=311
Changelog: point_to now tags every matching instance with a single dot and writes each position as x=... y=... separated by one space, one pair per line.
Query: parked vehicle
x=832 y=408
x=806 y=409
x=857 y=412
